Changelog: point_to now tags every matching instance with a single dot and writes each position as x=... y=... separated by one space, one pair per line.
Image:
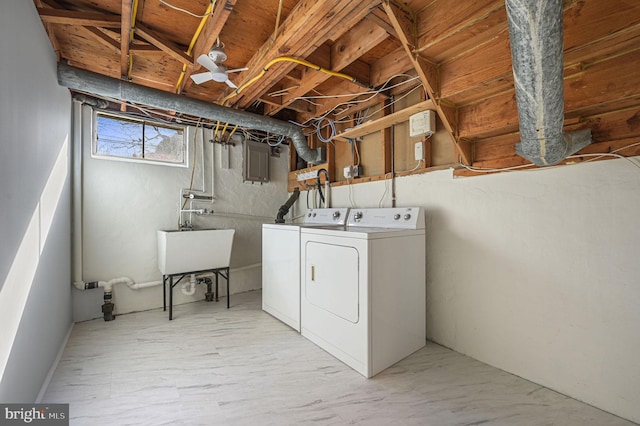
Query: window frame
x=186 y=133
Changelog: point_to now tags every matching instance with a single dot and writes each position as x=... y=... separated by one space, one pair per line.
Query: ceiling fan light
x=217 y=54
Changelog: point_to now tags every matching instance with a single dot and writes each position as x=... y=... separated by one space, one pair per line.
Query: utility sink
x=197 y=250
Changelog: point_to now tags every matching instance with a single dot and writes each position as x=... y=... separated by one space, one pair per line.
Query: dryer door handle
x=313 y=273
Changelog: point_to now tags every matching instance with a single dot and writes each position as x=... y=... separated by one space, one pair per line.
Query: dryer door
x=331 y=279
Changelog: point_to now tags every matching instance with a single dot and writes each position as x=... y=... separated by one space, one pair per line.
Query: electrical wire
x=531 y=167
x=196 y=35
x=362 y=119
x=285 y=59
x=332 y=126
x=353 y=204
x=386 y=181
x=373 y=93
x=357 y=152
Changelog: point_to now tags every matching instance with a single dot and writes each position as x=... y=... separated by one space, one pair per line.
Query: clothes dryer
x=363 y=287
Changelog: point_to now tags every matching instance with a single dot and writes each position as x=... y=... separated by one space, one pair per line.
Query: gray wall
x=35 y=293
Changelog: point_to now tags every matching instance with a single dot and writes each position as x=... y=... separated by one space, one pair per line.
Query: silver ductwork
x=87 y=81
x=535 y=30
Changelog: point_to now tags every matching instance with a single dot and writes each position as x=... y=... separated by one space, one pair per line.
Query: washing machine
x=281 y=262
x=364 y=287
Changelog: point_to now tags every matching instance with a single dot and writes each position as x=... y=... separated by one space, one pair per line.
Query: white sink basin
x=190 y=251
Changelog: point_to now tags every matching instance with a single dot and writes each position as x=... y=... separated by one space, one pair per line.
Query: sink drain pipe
x=535 y=32
x=90 y=82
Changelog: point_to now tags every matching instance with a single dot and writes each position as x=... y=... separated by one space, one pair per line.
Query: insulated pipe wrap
x=87 y=81
x=536 y=35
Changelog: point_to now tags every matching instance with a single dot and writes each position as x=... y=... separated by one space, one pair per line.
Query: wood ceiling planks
x=461 y=54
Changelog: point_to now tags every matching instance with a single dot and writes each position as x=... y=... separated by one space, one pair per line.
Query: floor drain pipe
x=535 y=32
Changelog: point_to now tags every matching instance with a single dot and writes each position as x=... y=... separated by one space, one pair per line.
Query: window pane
x=118 y=137
x=163 y=144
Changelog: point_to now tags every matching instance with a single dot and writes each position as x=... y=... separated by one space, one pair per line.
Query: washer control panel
x=327 y=216
x=397 y=217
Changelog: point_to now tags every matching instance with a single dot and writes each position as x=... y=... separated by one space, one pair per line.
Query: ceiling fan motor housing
x=217 y=54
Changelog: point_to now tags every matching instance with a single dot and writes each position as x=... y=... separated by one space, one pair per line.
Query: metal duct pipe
x=535 y=31
x=87 y=81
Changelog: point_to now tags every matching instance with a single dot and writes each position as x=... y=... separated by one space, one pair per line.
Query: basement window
x=126 y=138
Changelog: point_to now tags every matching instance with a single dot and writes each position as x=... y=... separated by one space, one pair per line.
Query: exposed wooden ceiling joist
x=167 y=46
x=405 y=23
x=208 y=36
x=72 y=17
x=309 y=25
x=125 y=36
x=349 y=47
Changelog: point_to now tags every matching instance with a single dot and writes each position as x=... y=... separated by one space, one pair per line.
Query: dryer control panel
x=396 y=218
x=326 y=216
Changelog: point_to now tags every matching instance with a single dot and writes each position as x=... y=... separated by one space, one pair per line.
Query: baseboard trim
x=52 y=370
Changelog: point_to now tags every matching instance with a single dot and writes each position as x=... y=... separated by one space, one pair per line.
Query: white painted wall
x=125 y=203
x=536 y=273
x=35 y=295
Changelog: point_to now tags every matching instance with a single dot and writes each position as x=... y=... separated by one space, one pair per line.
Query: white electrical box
x=422 y=124
x=419 y=151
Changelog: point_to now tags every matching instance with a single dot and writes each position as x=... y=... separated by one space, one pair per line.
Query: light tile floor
x=213 y=366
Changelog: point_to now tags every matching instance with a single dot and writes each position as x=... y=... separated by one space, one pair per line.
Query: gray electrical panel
x=256 y=162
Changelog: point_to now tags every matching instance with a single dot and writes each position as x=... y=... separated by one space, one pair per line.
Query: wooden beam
x=396 y=62
x=85 y=19
x=144 y=49
x=405 y=23
x=353 y=44
x=308 y=26
x=335 y=98
x=168 y=47
x=208 y=36
x=380 y=18
x=103 y=38
x=372 y=126
x=50 y=30
x=125 y=37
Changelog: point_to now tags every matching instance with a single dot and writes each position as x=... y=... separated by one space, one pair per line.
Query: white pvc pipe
x=77 y=195
x=213 y=168
x=138 y=286
x=189 y=289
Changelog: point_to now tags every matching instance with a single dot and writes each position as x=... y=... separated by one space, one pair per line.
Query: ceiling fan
x=217 y=71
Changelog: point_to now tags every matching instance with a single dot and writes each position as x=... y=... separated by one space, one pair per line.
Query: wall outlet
x=419 y=151
x=357 y=171
x=347 y=172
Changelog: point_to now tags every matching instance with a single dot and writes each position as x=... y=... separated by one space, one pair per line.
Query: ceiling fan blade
x=230 y=84
x=238 y=70
x=201 y=77
x=206 y=62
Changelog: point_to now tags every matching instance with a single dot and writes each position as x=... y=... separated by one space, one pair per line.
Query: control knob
x=336 y=214
x=357 y=216
x=396 y=216
x=407 y=216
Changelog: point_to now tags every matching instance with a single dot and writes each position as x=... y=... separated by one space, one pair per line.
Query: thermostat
x=422 y=124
